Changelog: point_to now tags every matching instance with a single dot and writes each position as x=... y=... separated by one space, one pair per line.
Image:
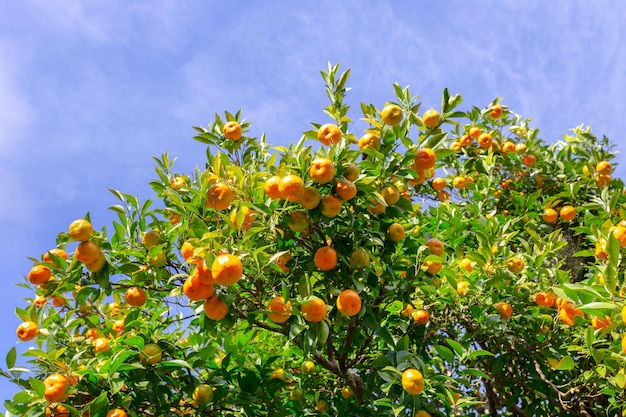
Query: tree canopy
x=438 y=262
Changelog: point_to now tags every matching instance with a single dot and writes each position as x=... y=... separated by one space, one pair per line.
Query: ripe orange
x=351 y=171
x=433 y=267
x=298 y=221
x=248 y=218
x=521 y=148
x=203 y=274
x=601 y=323
x=219 y=196
x=602 y=180
x=619 y=232
x=280 y=311
x=325 y=258
x=545 y=299
x=474 y=132
x=151 y=354
x=151 y=238
x=311 y=198
x=504 y=309
x=462 y=288
x=321 y=170
x=195 y=290
x=178 y=182
x=118 y=326
x=158 y=260
x=330 y=205
x=369 y=141
x=425 y=158
x=431 y=118
x=117 y=412
x=27 y=330
x=313 y=309
x=345 y=190
x=459 y=182
x=465 y=140
x=604 y=168
x=515 y=264
x=57 y=410
x=80 y=230
x=59 y=253
x=392 y=114
x=408 y=310
x=529 y=160
x=215 y=308
x=101 y=344
x=282 y=261
x=549 y=215
x=374 y=206
x=291 y=188
x=412 y=381
x=391 y=194
x=567 y=313
x=96 y=265
x=346 y=392
x=465 y=264
x=349 y=303
x=329 y=134
x=227 y=269
x=567 y=213
x=91 y=333
x=439 y=184
x=601 y=250
x=395 y=232
x=232 y=130
x=359 y=259
x=495 y=113
x=271 y=187
x=56 y=387
x=435 y=246
x=485 y=140
x=39 y=274
x=188 y=249
x=39 y=301
x=321 y=406
x=421 y=316
x=508 y=147
x=136 y=296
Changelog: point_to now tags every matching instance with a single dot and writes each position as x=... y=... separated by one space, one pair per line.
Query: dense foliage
x=484 y=267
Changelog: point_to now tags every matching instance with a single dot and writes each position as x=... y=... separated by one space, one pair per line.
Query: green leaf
x=597 y=307
x=565 y=364
x=445 y=353
x=37 y=386
x=10 y=359
x=175 y=363
x=456 y=346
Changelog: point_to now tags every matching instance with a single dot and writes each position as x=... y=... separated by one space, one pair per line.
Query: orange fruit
x=567 y=213
x=408 y=310
x=178 y=182
x=325 y=258
x=349 y=303
x=424 y=413
x=118 y=326
x=321 y=170
x=58 y=301
x=529 y=160
x=425 y=158
x=291 y=188
x=203 y=394
x=462 y=288
x=203 y=274
x=359 y=259
x=545 y=299
x=96 y=265
x=232 y=130
x=351 y=171
x=151 y=238
x=195 y=290
x=601 y=323
x=465 y=264
x=485 y=140
x=412 y=381
x=27 y=330
x=345 y=190
x=431 y=118
x=369 y=141
x=57 y=410
x=39 y=274
x=329 y=134
x=374 y=206
x=39 y=301
x=271 y=187
x=439 y=184
x=443 y=196
x=330 y=205
x=604 y=168
x=248 y=218
x=521 y=148
x=311 y=198
x=567 y=313
x=392 y=114
x=474 y=132
x=151 y=354
x=91 y=333
x=495 y=113
x=619 y=232
x=313 y=309
x=346 y=392
x=227 y=269
x=136 y=296
x=282 y=261
x=504 y=309
x=80 y=230
x=391 y=194
x=56 y=387
x=298 y=221
x=465 y=140
x=215 y=308
x=420 y=316
x=508 y=147
x=433 y=267
x=549 y=215
x=219 y=196
x=455 y=146
x=395 y=232
x=624 y=344
x=280 y=311
x=459 y=182
x=515 y=264
x=601 y=250
x=321 y=406
x=117 y=412
x=101 y=344
x=59 y=253
x=435 y=246
x=602 y=180
x=87 y=252
x=188 y=249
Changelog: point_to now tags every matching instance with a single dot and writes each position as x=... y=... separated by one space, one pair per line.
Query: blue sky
x=89 y=91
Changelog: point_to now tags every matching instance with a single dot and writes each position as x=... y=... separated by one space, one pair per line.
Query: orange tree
x=437 y=263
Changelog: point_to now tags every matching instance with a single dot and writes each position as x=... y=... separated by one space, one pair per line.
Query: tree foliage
x=503 y=306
